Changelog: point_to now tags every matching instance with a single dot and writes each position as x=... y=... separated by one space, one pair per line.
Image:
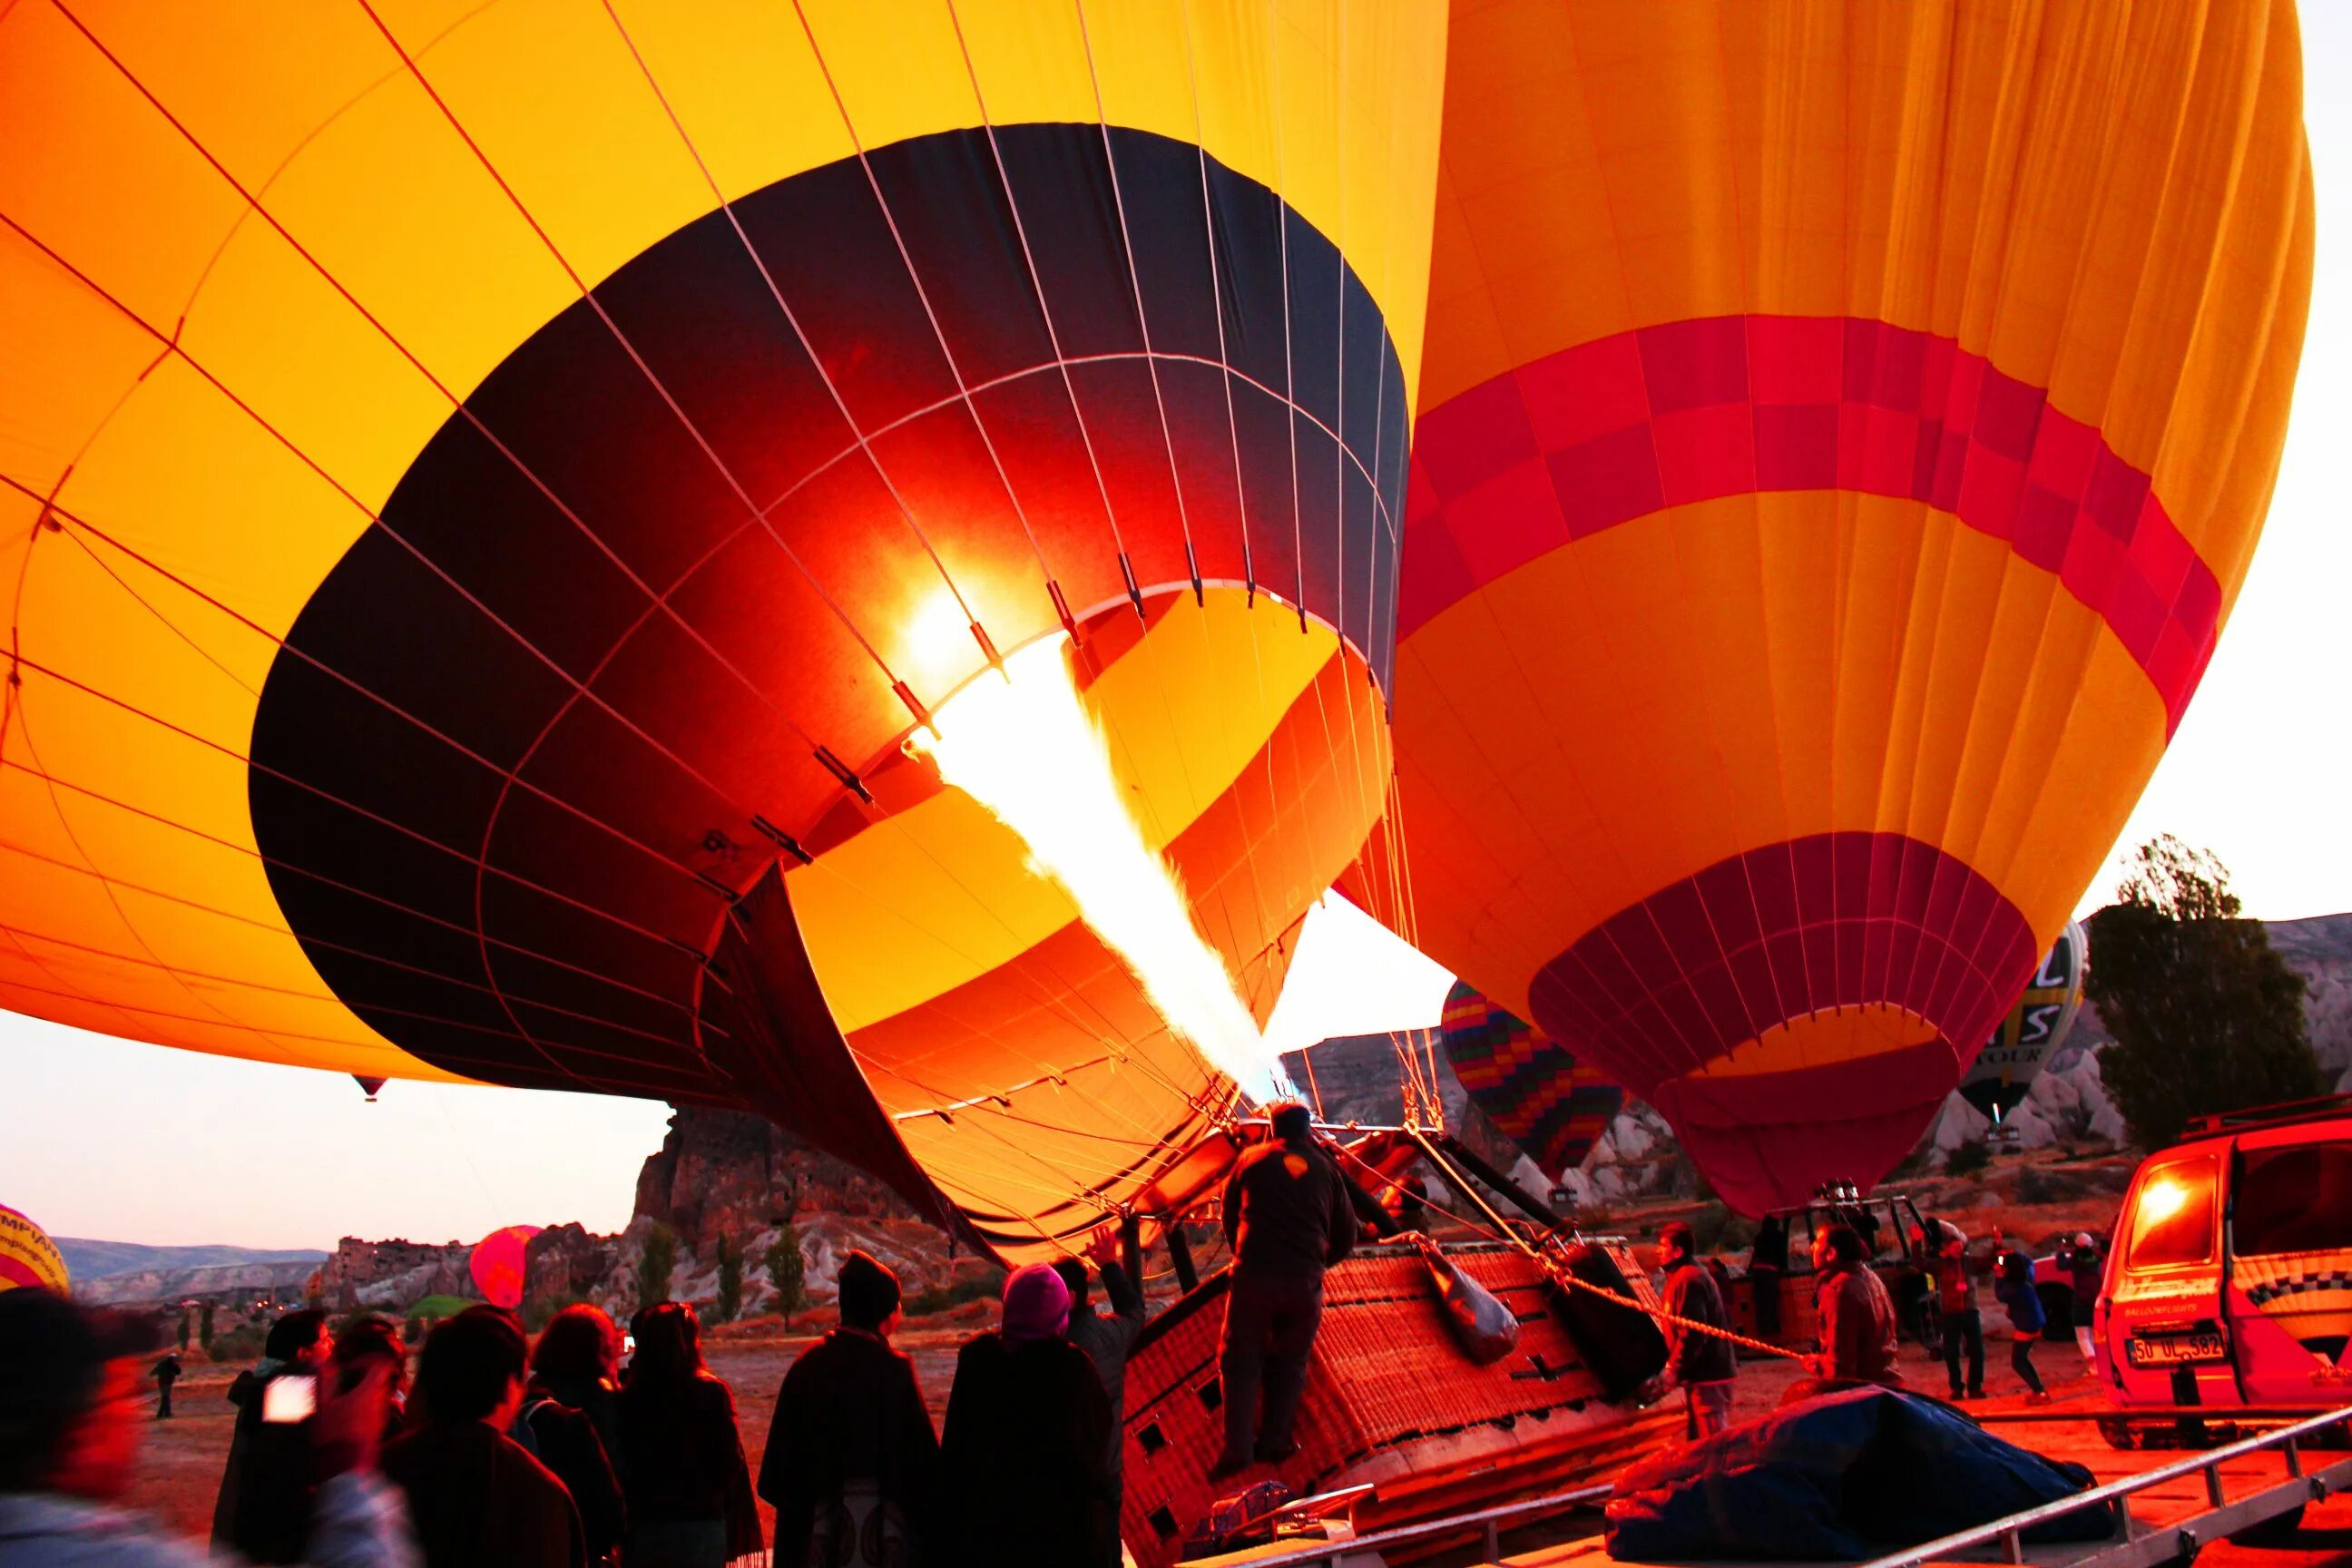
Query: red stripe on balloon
x=1624 y=426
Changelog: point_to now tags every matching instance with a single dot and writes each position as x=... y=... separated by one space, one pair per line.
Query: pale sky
x=132 y=1143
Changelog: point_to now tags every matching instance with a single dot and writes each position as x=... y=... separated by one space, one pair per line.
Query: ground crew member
x=1702 y=1362
x=1957 y=1308
x=1288 y=1218
x=1857 y=1315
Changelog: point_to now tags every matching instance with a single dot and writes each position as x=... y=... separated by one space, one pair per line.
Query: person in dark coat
x=1107 y=1339
x=1028 y=1431
x=1857 y=1319
x=264 y=1508
x=576 y=1359
x=1700 y=1362
x=2014 y=1286
x=688 y=1485
x=166 y=1373
x=578 y=1362
x=477 y=1498
x=851 y=1442
x=1288 y=1218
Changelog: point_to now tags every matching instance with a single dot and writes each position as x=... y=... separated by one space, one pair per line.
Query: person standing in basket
x=1287 y=1219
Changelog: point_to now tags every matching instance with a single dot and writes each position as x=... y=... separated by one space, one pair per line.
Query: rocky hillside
x=717 y=1174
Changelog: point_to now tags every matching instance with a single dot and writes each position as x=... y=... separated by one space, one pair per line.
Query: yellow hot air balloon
x=1842 y=432
x=487 y=493
x=28 y=1255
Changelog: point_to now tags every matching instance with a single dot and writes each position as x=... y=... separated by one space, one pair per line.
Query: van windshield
x=2172 y=1219
x=2295 y=1199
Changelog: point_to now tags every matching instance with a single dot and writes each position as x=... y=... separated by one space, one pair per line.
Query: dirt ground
x=181 y=1464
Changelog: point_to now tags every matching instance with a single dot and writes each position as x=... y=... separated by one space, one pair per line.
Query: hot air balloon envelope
x=2032 y=1031
x=1541 y=1096
x=28 y=1255
x=1843 y=433
x=497 y=1265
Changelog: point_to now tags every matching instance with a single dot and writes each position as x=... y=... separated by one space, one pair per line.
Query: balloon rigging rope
x=1560 y=1275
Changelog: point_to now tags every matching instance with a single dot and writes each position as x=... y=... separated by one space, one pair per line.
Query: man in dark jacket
x=1857 y=1316
x=264 y=1509
x=1287 y=1219
x=166 y=1373
x=477 y=1498
x=1107 y=1339
x=1702 y=1362
x=851 y=1441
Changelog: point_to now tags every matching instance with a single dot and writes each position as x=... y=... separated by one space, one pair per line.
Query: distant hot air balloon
x=479 y=553
x=28 y=1255
x=497 y=1264
x=1843 y=433
x=368 y=1086
x=2031 y=1033
x=1545 y=1100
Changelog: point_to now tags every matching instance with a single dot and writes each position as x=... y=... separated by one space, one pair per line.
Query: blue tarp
x=1851 y=1474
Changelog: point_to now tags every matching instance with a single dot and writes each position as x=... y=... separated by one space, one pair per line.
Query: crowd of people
x=506 y=1454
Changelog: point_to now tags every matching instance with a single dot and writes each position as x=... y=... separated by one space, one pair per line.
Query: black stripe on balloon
x=398 y=684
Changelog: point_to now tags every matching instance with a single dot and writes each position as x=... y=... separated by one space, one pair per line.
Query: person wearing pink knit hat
x=1026 y=1444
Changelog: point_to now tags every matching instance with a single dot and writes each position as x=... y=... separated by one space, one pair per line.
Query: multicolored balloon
x=497 y=1264
x=2032 y=1031
x=1844 y=432
x=28 y=1255
x=1545 y=1100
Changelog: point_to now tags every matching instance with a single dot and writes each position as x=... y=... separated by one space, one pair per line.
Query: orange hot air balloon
x=1842 y=432
x=28 y=1255
x=497 y=1264
x=479 y=552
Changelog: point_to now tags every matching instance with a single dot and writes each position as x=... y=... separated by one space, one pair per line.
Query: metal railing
x=2166 y=1542
x=1489 y=1522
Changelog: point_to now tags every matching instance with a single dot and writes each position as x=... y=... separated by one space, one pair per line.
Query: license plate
x=2173 y=1350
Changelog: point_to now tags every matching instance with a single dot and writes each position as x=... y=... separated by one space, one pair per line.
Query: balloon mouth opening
x=1829 y=1037
x=1021 y=741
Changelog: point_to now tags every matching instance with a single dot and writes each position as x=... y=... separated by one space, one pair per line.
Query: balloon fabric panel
x=1842 y=436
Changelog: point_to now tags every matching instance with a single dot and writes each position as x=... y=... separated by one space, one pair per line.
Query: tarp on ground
x=1845 y=1475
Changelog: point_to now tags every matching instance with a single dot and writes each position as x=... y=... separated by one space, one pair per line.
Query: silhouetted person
x=166 y=1373
x=1700 y=1362
x=2084 y=1265
x=2012 y=1284
x=1287 y=1219
x=851 y=1466
x=1768 y=1263
x=1107 y=1339
x=576 y=1359
x=1026 y=1447
x=264 y=1508
x=478 y=1498
x=69 y=1437
x=682 y=1467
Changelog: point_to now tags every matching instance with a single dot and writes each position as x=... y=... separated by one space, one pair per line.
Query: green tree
x=204 y=1327
x=730 y=1280
x=656 y=1266
x=2206 y=1017
x=186 y=1326
x=786 y=1271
